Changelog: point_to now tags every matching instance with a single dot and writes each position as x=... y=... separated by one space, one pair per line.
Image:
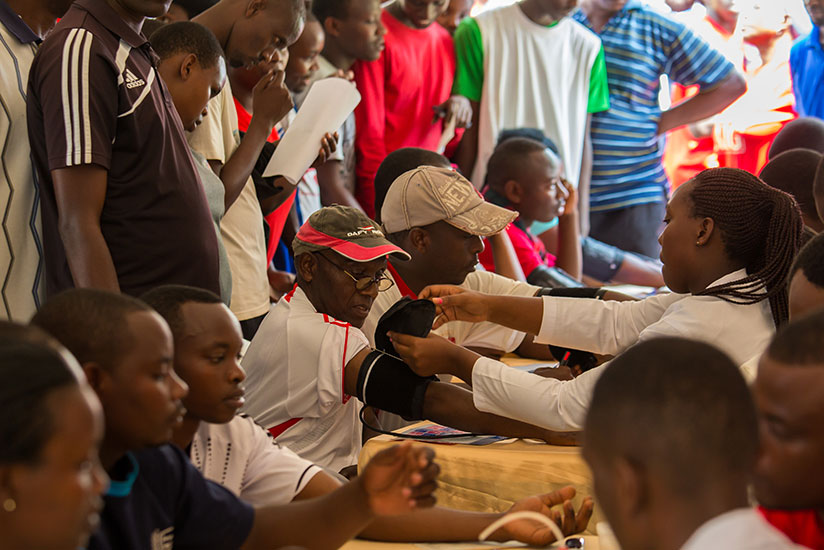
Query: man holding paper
x=252 y=33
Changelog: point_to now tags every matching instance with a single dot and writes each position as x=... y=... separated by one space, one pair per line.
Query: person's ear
x=331 y=26
x=420 y=239
x=513 y=192
x=97 y=377
x=631 y=483
x=187 y=66
x=706 y=228
x=253 y=7
x=307 y=266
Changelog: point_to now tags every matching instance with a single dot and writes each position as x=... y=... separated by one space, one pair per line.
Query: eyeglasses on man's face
x=382 y=282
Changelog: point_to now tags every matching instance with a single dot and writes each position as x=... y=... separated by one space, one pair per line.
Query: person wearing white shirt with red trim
x=305 y=377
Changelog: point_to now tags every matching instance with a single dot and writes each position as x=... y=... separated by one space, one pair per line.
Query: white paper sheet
x=324 y=110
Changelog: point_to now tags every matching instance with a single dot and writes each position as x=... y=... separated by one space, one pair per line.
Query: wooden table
x=491 y=478
x=590 y=543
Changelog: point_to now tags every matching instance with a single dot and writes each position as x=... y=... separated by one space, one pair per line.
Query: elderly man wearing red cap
x=310 y=366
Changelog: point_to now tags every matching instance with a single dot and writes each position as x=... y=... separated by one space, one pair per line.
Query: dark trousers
x=634 y=229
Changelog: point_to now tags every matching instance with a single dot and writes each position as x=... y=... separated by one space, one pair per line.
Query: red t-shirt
x=413 y=74
x=804 y=527
x=276 y=219
x=529 y=249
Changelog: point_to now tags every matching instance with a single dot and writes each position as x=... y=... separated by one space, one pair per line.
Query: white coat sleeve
x=552 y=404
x=603 y=327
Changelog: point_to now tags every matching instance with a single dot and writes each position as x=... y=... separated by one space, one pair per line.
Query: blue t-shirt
x=157 y=499
x=807 y=67
x=640 y=45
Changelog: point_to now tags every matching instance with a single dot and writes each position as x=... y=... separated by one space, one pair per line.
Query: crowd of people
x=193 y=353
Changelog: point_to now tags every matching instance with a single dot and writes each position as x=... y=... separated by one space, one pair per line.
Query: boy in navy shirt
x=157 y=498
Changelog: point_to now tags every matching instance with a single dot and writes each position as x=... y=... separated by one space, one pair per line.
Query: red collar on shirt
x=402 y=286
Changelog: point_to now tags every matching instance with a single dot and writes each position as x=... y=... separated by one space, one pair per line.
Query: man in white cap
x=437 y=217
x=309 y=366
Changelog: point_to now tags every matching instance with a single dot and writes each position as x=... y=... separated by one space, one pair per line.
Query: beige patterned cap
x=429 y=194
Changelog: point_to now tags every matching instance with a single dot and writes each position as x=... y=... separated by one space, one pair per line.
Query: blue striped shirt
x=640 y=45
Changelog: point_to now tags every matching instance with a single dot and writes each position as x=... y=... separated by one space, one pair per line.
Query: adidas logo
x=132 y=81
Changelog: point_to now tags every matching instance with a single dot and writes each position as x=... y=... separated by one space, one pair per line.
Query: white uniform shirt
x=481 y=335
x=741 y=529
x=245 y=459
x=609 y=328
x=294 y=369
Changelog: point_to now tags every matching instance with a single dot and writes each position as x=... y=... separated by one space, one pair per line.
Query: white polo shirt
x=244 y=458
x=295 y=366
x=21 y=251
x=609 y=328
x=742 y=529
x=480 y=335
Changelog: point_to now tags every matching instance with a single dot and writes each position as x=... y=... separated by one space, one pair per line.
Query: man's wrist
x=360 y=497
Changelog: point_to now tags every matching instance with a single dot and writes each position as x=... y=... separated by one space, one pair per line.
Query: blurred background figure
x=744 y=132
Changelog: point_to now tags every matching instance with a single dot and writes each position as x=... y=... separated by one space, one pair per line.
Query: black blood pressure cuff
x=574 y=357
x=407 y=316
x=387 y=383
x=582 y=292
x=552 y=277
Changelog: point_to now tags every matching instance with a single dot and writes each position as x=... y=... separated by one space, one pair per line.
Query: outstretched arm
x=396 y=481
x=447 y=525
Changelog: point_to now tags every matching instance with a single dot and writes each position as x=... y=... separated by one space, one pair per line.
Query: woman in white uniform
x=727 y=249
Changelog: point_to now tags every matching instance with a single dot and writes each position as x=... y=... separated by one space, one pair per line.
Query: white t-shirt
x=534 y=77
x=480 y=335
x=21 y=249
x=245 y=459
x=294 y=368
x=609 y=328
x=741 y=529
x=242 y=225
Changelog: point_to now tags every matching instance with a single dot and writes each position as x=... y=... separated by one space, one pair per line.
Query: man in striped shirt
x=23 y=24
x=123 y=208
x=629 y=186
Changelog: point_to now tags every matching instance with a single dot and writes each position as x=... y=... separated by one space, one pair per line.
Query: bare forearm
x=529 y=348
x=569 y=256
x=89 y=258
x=518 y=313
x=332 y=188
x=432 y=525
x=703 y=105
x=452 y=406
x=323 y=523
x=467 y=153
x=235 y=173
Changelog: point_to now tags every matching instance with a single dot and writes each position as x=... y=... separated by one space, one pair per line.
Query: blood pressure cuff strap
x=552 y=277
x=583 y=359
x=387 y=383
x=570 y=292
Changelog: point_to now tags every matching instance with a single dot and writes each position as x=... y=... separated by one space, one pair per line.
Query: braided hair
x=760 y=227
